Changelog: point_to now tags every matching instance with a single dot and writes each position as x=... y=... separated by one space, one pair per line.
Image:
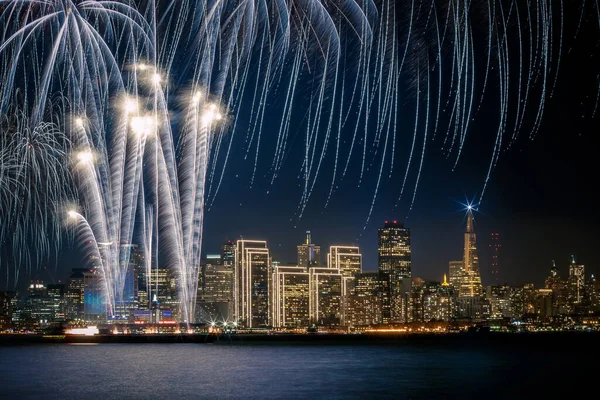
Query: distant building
x=8 y=303
x=346 y=259
x=438 y=301
x=309 y=254
x=251 y=283
x=576 y=281
x=471 y=284
x=228 y=254
x=498 y=297
x=74 y=295
x=94 y=301
x=394 y=249
x=456 y=275
x=394 y=261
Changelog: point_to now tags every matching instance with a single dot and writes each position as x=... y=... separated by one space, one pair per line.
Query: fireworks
x=94 y=83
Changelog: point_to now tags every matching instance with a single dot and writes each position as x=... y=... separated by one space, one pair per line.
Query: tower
x=471 y=286
x=309 y=254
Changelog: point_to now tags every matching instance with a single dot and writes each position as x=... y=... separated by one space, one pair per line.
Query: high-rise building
x=498 y=297
x=251 y=283
x=215 y=298
x=576 y=281
x=366 y=300
x=94 y=301
x=127 y=296
x=57 y=299
x=495 y=246
x=228 y=254
x=438 y=301
x=290 y=296
x=74 y=295
x=163 y=293
x=8 y=301
x=471 y=285
x=456 y=274
x=560 y=292
x=346 y=259
x=394 y=261
x=394 y=249
x=326 y=296
x=309 y=254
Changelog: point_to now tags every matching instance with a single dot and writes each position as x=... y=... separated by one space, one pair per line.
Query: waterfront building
x=8 y=305
x=326 y=296
x=366 y=301
x=74 y=295
x=215 y=297
x=251 y=283
x=290 y=296
x=309 y=254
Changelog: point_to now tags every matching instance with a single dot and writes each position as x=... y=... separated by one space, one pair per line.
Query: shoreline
x=331 y=338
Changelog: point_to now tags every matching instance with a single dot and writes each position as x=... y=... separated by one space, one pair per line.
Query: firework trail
x=128 y=111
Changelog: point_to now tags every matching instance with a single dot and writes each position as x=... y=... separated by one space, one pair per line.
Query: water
x=308 y=371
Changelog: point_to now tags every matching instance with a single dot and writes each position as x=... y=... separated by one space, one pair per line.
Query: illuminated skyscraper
x=290 y=296
x=215 y=296
x=576 y=281
x=471 y=285
x=309 y=254
x=366 y=300
x=346 y=259
x=456 y=274
x=326 y=296
x=228 y=254
x=251 y=283
x=394 y=249
x=74 y=294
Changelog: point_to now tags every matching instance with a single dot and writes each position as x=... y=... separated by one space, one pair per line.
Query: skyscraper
x=326 y=296
x=576 y=281
x=346 y=259
x=394 y=249
x=290 y=296
x=471 y=286
x=309 y=254
x=251 y=283
x=228 y=254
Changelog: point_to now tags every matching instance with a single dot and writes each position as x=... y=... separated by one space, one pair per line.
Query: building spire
x=308 y=239
x=470 y=220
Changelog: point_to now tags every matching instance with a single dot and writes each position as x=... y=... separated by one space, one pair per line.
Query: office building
x=290 y=296
x=346 y=259
x=309 y=254
x=251 y=283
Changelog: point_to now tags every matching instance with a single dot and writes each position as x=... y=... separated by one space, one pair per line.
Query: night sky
x=541 y=198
